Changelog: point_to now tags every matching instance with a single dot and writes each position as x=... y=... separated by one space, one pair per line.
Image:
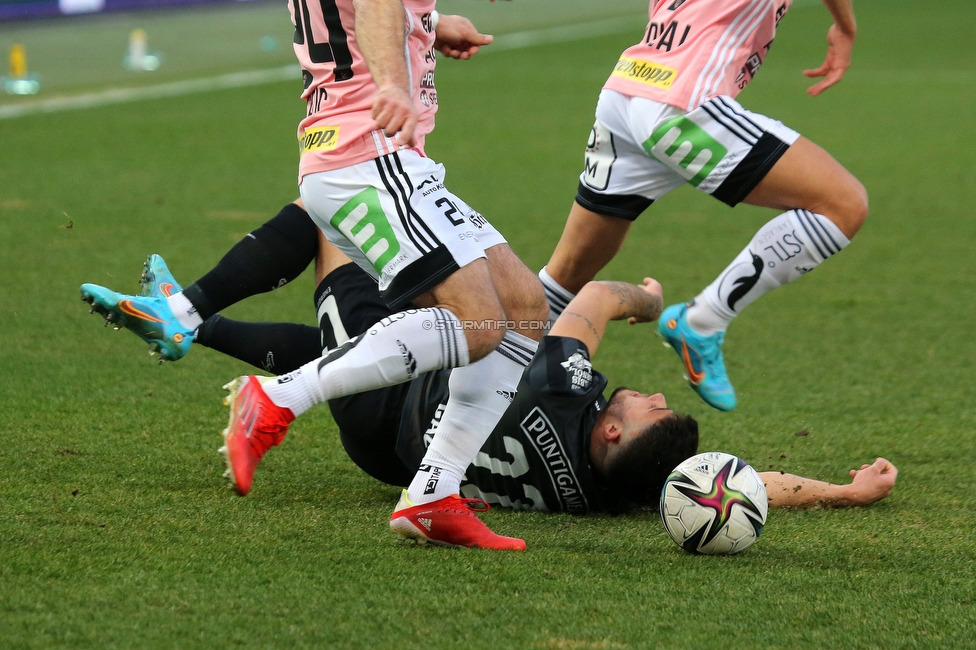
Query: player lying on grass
x=667 y=116
x=558 y=447
x=374 y=194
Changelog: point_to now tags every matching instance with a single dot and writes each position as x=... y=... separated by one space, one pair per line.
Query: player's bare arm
x=458 y=38
x=840 y=43
x=869 y=484
x=380 y=34
x=598 y=303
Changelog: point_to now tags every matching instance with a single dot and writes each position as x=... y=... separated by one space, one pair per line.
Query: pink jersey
x=694 y=50
x=338 y=130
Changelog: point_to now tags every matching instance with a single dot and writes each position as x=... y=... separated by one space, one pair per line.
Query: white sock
x=184 y=311
x=480 y=394
x=791 y=245
x=557 y=297
x=395 y=350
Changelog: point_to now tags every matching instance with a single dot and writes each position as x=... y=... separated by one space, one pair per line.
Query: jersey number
x=517 y=467
x=451 y=209
x=337 y=49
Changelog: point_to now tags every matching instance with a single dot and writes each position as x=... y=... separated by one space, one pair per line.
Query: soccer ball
x=714 y=504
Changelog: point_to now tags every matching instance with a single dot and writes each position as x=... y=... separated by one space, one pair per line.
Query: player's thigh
x=719 y=148
x=328 y=259
x=808 y=177
x=519 y=291
x=618 y=183
x=395 y=218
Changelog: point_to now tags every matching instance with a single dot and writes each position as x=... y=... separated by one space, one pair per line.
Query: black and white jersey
x=537 y=457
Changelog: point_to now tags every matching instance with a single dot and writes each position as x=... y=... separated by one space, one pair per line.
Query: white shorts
x=396 y=220
x=640 y=149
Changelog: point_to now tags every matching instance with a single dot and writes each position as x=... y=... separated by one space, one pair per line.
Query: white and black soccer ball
x=714 y=504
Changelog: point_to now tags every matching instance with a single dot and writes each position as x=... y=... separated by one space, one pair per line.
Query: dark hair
x=638 y=471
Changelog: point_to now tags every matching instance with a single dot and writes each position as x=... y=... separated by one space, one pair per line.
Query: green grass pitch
x=116 y=529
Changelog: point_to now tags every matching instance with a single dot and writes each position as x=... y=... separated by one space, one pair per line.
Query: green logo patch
x=363 y=222
x=686 y=148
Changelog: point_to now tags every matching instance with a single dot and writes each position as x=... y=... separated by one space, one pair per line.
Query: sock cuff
x=822 y=233
x=518 y=348
x=199 y=300
x=434 y=457
x=454 y=344
x=557 y=297
x=207 y=330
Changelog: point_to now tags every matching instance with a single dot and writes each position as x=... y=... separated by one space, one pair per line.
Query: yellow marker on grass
x=18 y=62
x=19 y=82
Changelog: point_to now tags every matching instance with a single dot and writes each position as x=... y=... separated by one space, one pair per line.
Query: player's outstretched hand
x=458 y=38
x=395 y=113
x=652 y=287
x=872 y=482
x=839 y=47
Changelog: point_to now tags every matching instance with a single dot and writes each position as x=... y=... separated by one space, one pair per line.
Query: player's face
x=639 y=411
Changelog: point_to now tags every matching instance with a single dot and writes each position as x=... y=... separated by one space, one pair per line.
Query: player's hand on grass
x=458 y=38
x=395 y=113
x=872 y=482
x=839 y=47
x=652 y=287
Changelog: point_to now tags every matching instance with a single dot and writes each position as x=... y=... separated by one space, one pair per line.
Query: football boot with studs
x=450 y=521
x=256 y=425
x=701 y=356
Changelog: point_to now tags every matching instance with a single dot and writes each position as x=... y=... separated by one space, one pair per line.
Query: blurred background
x=74 y=47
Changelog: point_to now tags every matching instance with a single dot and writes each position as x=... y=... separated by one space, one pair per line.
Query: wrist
x=842 y=495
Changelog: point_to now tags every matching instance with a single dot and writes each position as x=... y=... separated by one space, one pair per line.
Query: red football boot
x=256 y=425
x=450 y=521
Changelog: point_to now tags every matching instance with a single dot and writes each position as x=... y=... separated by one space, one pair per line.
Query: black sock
x=267 y=258
x=273 y=347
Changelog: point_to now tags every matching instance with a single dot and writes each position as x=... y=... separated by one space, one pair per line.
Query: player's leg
x=427 y=247
x=619 y=181
x=348 y=303
x=588 y=243
x=166 y=315
x=282 y=347
x=273 y=347
x=825 y=206
x=264 y=260
x=482 y=391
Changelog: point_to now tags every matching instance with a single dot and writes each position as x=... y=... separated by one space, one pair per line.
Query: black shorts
x=368 y=422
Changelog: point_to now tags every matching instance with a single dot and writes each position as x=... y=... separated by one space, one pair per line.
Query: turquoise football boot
x=701 y=355
x=148 y=317
x=157 y=281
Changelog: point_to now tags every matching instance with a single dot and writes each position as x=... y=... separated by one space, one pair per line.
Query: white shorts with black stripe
x=396 y=220
x=640 y=149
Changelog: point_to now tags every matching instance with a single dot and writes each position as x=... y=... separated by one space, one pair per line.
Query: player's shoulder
x=562 y=366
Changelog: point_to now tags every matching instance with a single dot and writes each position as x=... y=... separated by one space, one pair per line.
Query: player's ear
x=612 y=429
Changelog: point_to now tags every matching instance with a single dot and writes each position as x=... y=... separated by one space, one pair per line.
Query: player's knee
x=858 y=206
x=483 y=321
x=851 y=208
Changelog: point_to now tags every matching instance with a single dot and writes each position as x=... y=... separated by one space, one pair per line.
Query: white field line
x=513 y=41
x=173 y=89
